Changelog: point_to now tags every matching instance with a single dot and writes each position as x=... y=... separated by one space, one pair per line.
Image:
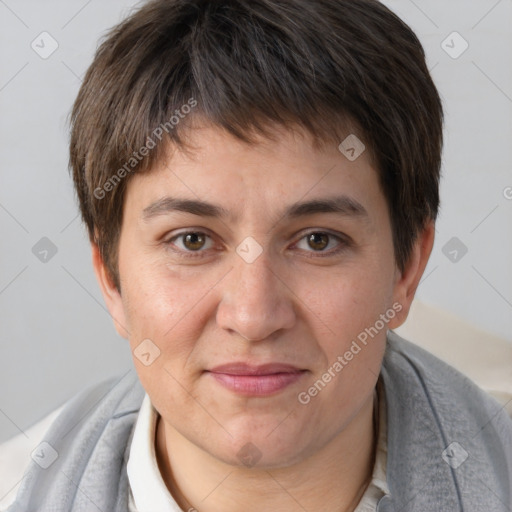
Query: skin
x=291 y=305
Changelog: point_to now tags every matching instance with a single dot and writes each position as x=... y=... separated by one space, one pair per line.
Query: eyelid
x=309 y=231
x=343 y=240
x=168 y=241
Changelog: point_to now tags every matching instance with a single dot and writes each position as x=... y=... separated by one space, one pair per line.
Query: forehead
x=223 y=175
x=293 y=142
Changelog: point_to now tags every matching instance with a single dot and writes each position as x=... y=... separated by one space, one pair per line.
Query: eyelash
x=344 y=243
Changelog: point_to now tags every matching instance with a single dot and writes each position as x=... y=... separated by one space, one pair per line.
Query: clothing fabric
x=449 y=444
x=148 y=492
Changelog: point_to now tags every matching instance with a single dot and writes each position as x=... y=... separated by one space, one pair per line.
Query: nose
x=256 y=302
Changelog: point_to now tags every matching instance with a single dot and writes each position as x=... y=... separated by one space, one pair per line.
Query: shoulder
x=446 y=435
x=413 y=371
x=15 y=456
x=482 y=356
x=91 y=409
x=77 y=425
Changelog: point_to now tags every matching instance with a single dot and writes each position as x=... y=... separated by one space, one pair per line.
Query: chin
x=261 y=451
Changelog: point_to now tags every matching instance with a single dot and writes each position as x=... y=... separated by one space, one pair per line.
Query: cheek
x=171 y=307
x=156 y=297
x=171 y=315
x=347 y=309
x=349 y=299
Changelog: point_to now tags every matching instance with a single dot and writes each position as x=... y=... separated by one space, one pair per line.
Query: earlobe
x=407 y=281
x=110 y=293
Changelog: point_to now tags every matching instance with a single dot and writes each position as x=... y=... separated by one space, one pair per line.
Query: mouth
x=251 y=380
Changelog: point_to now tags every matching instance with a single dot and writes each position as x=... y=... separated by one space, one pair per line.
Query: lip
x=241 y=368
x=256 y=380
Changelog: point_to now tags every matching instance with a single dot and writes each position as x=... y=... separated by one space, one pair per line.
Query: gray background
x=56 y=336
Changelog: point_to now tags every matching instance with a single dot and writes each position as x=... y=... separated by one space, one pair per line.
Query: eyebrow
x=342 y=205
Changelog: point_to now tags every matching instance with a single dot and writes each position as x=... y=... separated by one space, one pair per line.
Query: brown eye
x=194 y=241
x=322 y=244
x=191 y=244
x=318 y=241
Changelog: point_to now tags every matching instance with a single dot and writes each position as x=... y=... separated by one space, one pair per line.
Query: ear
x=407 y=281
x=111 y=294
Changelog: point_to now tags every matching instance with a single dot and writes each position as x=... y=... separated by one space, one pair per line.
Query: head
x=259 y=180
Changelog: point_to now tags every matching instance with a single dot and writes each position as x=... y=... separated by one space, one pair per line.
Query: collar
x=147 y=488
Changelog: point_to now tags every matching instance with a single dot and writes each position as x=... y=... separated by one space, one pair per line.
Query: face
x=247 y=272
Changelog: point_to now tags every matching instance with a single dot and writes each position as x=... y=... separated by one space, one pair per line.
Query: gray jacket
x=449 y=444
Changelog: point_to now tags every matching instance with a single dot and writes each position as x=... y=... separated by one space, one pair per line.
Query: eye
x=321 y=242
x=191 y=241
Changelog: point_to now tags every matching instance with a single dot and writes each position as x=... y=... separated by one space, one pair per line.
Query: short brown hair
x=245 y=65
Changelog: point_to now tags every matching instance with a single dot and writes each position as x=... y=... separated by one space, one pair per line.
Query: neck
x=333 y=479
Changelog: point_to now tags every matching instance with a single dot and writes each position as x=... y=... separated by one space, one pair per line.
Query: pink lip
x=260 y=380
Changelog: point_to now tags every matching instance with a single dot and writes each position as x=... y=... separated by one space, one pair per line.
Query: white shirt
x=148 y=492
